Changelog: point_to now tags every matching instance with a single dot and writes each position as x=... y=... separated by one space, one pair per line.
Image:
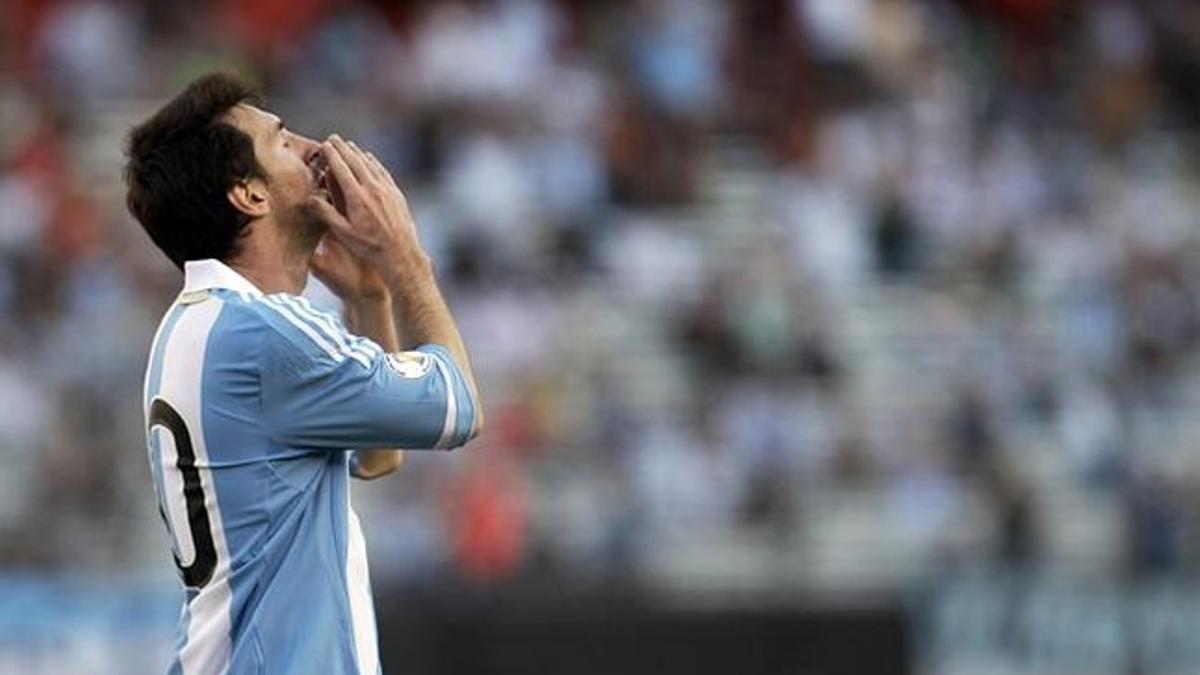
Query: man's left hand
x=348 y=276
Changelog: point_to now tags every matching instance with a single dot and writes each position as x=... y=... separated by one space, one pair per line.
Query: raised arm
x=378 y=228
x=369 y=312
x=372 y=317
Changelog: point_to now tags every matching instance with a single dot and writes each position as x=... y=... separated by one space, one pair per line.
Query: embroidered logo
x=411 y=365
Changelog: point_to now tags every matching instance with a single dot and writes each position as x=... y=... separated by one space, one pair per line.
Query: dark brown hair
x=180 y=165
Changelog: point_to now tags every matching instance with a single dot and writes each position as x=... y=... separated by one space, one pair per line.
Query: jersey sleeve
x=325 y=388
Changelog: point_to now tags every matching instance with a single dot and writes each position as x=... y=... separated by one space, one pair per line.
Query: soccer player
x=259 y=406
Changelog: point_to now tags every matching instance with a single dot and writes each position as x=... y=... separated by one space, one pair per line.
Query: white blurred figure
x=92 y=48
x=838 y=28
x=500 y=51
x=492 y=191
x=680 y=483
x=827 y=225
x=27 y=404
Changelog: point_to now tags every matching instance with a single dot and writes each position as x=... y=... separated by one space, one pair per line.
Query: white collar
x=203 y=275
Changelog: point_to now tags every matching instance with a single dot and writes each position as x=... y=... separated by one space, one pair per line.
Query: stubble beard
x=309 y=229
x=302 y=227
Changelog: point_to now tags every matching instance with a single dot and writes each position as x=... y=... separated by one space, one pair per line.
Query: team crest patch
x=410 y=364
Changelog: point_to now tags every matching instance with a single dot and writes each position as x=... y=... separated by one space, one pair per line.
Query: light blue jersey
x=252 y=403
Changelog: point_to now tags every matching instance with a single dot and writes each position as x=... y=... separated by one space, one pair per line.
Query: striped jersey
x=253 y=405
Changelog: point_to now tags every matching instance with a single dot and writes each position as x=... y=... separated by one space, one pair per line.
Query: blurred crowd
x=834 y=293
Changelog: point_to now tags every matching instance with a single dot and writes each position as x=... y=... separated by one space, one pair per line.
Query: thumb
x=322 y=252
x=321 y=258
x=327 y=261
x=325 y=212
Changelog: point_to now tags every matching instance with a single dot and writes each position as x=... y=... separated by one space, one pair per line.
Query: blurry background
x=811 y=332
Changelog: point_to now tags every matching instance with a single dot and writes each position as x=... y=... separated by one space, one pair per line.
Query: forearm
x=373 y=318
x=377 y=224
x=425 y=318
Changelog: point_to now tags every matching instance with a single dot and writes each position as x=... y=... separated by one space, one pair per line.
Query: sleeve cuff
x=460 y=409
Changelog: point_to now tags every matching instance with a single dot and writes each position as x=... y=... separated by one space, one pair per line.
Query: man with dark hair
x=181 y=164
x=260 y=406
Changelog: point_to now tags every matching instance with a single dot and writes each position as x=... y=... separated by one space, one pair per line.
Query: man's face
x=292 y=163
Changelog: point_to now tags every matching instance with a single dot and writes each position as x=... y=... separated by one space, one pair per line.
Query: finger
x=342 y=240
x=379 y=169
x=329 y=248
x=385 y=176
x=325 y=212
x=330 y=245
x=353 y=159
x=369 y=160
x=326 y=269
x=342 y=174
x=327 y=260
x=371 y=166
x=322 y=260
x=361 y=156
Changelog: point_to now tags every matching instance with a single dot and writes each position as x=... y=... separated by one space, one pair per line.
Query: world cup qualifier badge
x=412 y=365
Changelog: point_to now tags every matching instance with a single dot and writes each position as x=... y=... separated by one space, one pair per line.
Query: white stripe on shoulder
x=335 y=328
x=323 y=323
x=303 y=327
x=372 y=349
x=448 y=427
x=355 y=342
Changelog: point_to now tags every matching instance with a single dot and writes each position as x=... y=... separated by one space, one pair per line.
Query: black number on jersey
x=198 y=574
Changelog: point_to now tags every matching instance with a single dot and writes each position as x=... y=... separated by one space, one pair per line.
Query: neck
x=273 y=264
x=282 y=277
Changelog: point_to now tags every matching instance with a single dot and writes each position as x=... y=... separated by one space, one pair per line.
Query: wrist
x=369 y=300
x=405 y=268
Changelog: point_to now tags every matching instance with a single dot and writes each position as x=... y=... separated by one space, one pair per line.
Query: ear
x=250 y=197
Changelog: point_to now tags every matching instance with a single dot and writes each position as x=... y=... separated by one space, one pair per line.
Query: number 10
x=199 y=573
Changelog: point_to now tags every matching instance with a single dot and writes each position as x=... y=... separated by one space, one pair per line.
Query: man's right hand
x=376 y=225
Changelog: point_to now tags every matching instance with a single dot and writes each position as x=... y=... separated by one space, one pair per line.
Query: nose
x=309 y=148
